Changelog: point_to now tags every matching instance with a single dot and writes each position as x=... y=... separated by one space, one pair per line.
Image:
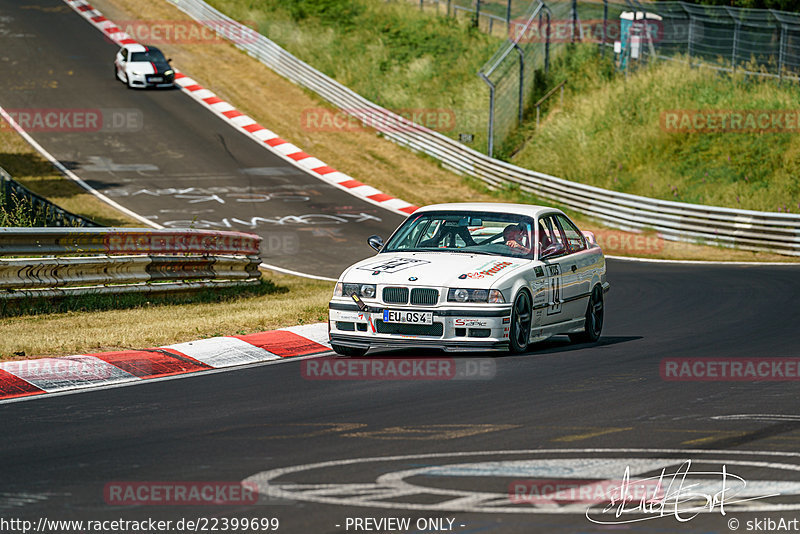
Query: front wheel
x=351 y=352
x=521 y=314
x=593 y=324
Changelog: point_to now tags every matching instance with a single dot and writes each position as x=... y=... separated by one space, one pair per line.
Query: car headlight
x=474 y=295
x=366 y=291
x=169 y=72
x=136 y=73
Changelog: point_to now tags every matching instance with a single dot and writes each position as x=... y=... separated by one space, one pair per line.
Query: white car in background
x=143 y=66
x=472 y=276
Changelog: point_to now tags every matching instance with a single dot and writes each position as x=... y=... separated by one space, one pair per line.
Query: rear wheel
x=521 y=313
x=352 y=352
x=593 y=325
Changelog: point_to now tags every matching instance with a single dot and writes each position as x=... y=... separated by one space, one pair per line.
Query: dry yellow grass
x=303 y=302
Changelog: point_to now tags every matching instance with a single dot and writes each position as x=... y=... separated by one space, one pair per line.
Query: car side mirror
x=169 y=60
x=555 y=249
x=376 y=242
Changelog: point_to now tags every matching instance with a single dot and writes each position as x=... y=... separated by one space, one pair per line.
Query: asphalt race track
x=559 y=412
x=164 y=156
x=60 y=452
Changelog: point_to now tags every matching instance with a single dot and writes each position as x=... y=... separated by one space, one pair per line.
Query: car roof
x=530 y=210
x=141 y=48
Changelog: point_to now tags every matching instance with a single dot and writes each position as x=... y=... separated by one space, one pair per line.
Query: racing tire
x=351 y=352
x=593 y=325
x=521 y=315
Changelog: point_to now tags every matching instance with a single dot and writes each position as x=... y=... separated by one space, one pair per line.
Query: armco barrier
x=123 y=260
x=749 y=230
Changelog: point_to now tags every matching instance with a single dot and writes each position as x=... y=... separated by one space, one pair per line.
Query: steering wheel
x=490 y=239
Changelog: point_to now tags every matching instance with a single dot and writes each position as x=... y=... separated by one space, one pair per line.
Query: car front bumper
x=454 y=328
x=146 y=80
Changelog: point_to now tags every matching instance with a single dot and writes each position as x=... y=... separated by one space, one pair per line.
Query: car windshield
x=154 y=56
x=497 y=234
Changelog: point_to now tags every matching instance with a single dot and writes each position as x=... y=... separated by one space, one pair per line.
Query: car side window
x=575 y=239
x=550 y=233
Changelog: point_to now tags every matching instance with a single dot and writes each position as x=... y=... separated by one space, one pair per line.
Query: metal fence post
x=521 y=80
x=781 y=53
x=508 y=14
x=691 y=36
x=605 y=28
x=547 y=46
x=490 y=148
x=448 y=7
x=477 y=22
x=574 y=19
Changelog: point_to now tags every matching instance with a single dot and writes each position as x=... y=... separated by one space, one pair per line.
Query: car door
x=576 y=266
x=549 y=233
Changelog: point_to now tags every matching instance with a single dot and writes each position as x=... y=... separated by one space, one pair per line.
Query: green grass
x=608 y=133
x=390 y=53
x=19 y=212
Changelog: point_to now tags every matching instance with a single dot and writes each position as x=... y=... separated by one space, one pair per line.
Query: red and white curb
x=51 y=375
x=248 y=126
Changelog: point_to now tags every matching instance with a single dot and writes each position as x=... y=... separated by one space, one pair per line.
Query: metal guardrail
x=745 y=229
x=127 y=260
x=51 y=214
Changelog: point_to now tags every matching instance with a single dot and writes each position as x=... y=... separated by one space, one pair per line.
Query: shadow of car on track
x=552 y=345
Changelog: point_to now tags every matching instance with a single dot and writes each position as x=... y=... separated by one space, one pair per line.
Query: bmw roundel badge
x=412 y=278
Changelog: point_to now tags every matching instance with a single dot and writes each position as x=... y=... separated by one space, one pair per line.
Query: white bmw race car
x=472 y=276
x=143 y=66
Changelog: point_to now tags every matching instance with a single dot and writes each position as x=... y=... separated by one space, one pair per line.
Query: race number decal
x=554 y=273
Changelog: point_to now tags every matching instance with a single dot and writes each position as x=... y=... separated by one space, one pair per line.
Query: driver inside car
x=516 y=238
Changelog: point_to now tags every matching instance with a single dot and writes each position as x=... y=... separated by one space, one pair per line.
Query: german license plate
x=407 y=317
x=156 y=79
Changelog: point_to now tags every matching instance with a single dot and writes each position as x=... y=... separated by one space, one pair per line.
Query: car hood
x=148 y=67
x=433 y=269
